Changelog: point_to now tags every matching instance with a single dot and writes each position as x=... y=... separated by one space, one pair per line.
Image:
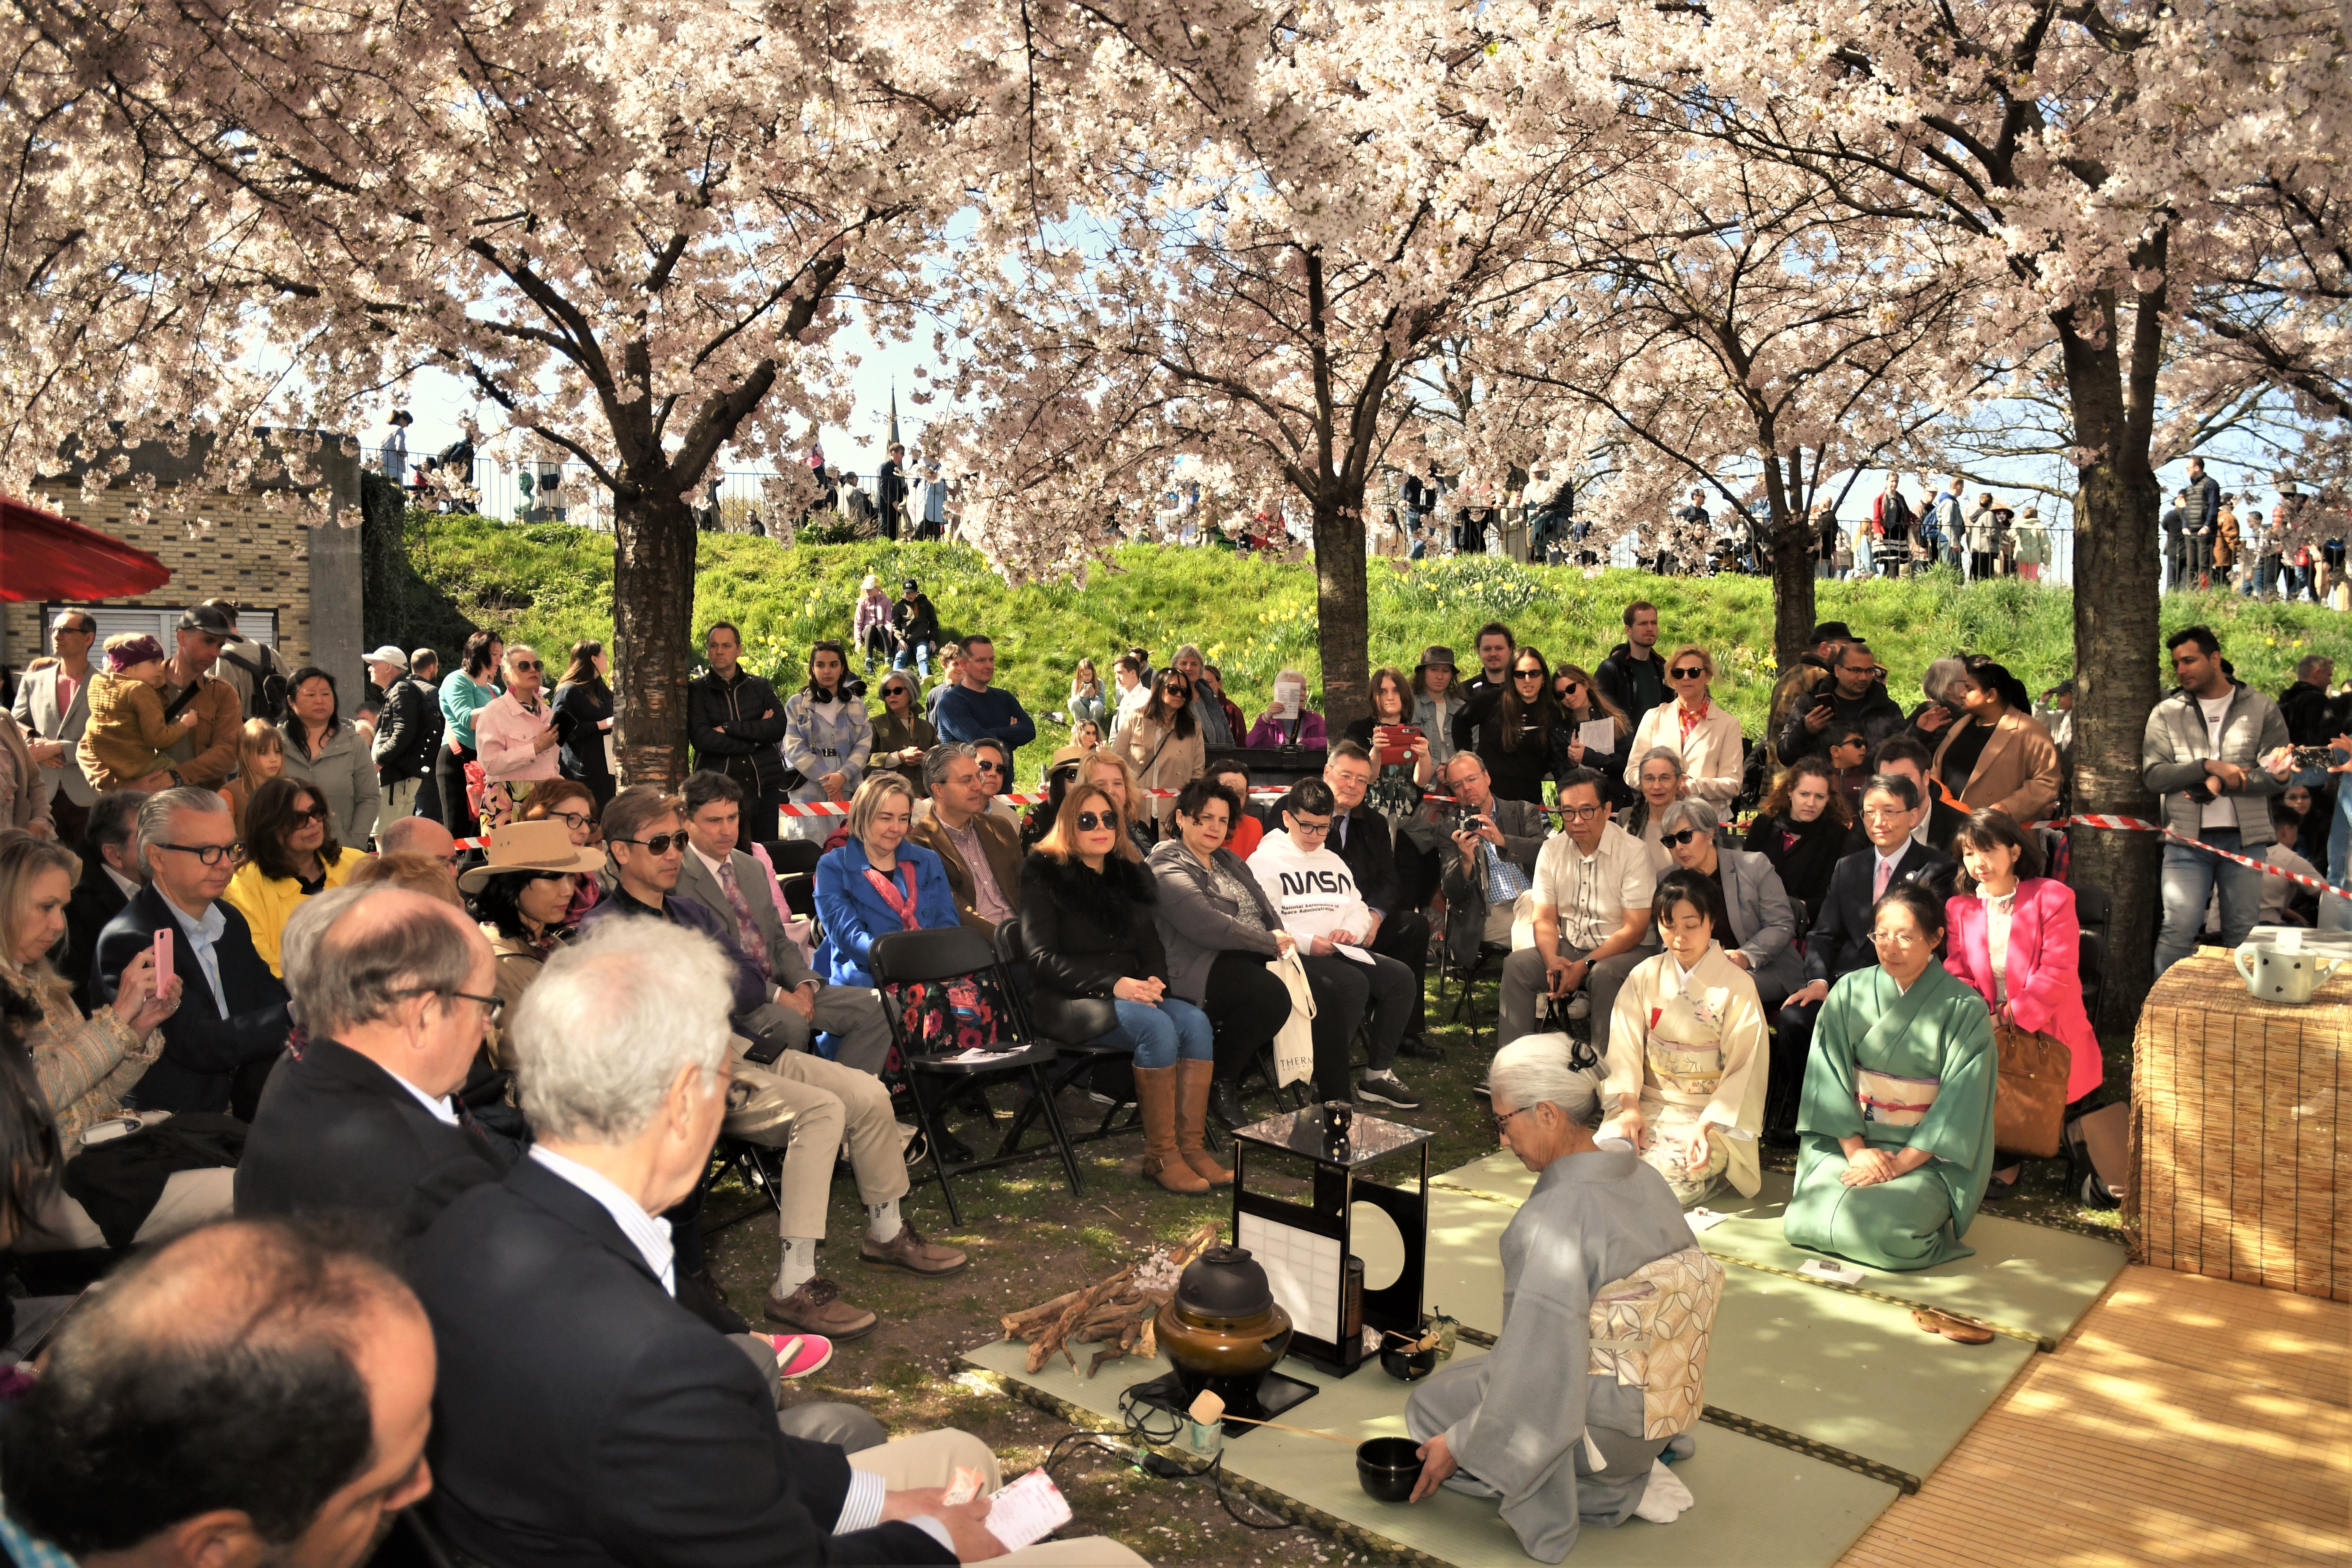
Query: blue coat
x=854 y=913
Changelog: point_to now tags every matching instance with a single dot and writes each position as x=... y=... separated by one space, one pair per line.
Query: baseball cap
x=910 y=585
x=387 y=654
x=209 y=619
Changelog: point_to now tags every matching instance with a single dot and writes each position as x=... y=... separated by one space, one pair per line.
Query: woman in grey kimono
x=1896 y=1119
x=1551 y=1423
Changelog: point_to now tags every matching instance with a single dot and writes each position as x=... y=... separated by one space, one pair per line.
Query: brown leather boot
x=1155 y=1096
x=1192 y=1119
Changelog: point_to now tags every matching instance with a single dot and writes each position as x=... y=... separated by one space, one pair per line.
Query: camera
x=1466 y=819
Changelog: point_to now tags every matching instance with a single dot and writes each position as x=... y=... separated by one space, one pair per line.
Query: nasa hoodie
x=1312 y=890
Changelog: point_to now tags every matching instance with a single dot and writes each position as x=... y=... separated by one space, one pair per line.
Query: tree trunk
x=1792 y=588
x=2116 y=635
x=1342 y=619
x=652 y=622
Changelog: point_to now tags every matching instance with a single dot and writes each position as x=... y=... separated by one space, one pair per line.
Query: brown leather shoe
x=816 y=1308
x=909 y=1251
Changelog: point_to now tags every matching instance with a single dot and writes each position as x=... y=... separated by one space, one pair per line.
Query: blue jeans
x=916 y=654
x=2336 y=909
x=1158 y=1033
x=2189 y=877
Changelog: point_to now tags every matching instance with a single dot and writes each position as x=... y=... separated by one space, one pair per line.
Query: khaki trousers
x=933 y=1459
x=190 y=1198
x=807 y=1105
x=399 y=800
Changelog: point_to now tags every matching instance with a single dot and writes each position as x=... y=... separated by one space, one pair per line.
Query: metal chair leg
x=1061 y=1138
x=930 y=1124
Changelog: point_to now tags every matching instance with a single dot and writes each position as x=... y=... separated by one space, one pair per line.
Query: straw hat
x=532 y=847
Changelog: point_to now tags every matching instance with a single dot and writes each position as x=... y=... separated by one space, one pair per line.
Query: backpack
x=268 y=699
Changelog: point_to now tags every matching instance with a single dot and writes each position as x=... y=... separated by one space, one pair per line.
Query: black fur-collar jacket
x=1085 y=930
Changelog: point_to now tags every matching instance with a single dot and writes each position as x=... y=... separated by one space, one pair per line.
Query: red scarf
x=904 y=908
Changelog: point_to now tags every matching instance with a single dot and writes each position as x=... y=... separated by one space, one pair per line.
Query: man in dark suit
x=1359 y=836
x=582 y=1416
x=231 y=1027
x=110 y=874
x=395 y=993
x=1840 y=940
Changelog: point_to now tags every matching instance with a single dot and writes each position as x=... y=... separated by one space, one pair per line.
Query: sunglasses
x=1567 y=685
x=1685 y=836
x=1686 y=672
x=1095 y=822
x=520 y=665
x=316 y=813
x=990 y=767
x=659 y=844
x=1527 y=675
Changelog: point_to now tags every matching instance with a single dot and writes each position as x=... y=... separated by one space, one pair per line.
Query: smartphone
x=162 y=961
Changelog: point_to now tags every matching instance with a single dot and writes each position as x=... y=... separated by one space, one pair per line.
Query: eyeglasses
x=1686 y=672
x=1885 y=813
x=1581 y=812
x=1503 y=1122
x=209 y=853
x=1685 y=836
x=1310 y=829
x=492 y=1008
x=1895 y=938
x=575 y=820
x=659 y=844
x=1097 y=822
x=522 y=665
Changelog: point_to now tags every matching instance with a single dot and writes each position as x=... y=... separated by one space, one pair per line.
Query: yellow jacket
x=268 y=902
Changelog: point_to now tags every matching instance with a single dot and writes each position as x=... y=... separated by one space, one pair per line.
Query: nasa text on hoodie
x=1312 y=890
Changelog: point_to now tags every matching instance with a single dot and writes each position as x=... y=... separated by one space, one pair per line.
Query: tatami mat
x=1830 y=1366
x=2189 y=1421
x=1748 y=1493
x=2030 y=1279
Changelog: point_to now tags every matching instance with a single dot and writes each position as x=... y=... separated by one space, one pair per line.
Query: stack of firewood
x=1115 y=1313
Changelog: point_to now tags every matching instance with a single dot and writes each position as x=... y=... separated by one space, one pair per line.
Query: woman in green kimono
x=1897 y=1112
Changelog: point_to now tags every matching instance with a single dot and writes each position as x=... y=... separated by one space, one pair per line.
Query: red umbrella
x=45 y=557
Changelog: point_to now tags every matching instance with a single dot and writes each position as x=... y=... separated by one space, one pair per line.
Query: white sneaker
x=1580 y=1007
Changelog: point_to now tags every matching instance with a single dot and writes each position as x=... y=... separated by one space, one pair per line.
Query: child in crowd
x=1847 y=749
x=260 y=757
x=124 y=744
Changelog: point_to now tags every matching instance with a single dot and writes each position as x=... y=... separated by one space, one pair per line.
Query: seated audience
x=569 y=802
x=1686 y=1054
x=231 y=1024
x=1558 y=1439
x=1107 y=767
x=902 y=736
x=1662 y=783
x=1288 y=721
x=2015 y=941
x=2001 y=757
x=877 y=883
x=1705 y=736
x=260 y=757
x=979 y=850
x=1100 y=974
x=995 y=760
x=582 y=1415
x=326 y=753
x=427 y=874
x=1219 y=930
x=1162 y=743
x=1360 y=837
x=1249 y=827
x=1939 y=821
x=1841 y=940
x=393 y=990
x=111 y=873
x=523 y=896
x=1757 y=928
x=1849 y=754
x=793 y=1099
x=1516 y=728
x=1896 y=1119
x=516 y=737
x=971 y=710
x=1592 y=888
x=1062 y=770
x=245 y=1394
x=1315 y=892
x=2285 y=902
x=291 y=854
x=1803 y=827
x=83 y=1067
x=1493 y=860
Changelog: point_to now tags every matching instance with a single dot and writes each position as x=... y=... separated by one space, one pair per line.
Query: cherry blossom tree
x=627 y=233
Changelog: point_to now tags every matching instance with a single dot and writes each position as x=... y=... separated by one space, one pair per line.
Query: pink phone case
x=162 y=961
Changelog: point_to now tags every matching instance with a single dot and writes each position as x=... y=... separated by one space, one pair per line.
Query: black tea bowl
x=1408 y=1365
x=1387 y=1467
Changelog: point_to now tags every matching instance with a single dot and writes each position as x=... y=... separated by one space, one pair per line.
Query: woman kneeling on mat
x=1608 y=1305
x=1896 y=1119
x=1687 y=1057
x=1100 y=974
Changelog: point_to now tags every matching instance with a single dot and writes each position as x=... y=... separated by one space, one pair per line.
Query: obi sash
x=1893 y=1100
x=1649 y=1331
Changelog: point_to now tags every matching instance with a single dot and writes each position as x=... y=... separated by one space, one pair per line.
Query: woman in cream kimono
x=1896 y=1119
x=1688 y=1055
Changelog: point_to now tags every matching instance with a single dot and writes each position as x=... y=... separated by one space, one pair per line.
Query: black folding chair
x=2094 y=908
x=944 y=993
x=1488 y=951
x=1107 y=1070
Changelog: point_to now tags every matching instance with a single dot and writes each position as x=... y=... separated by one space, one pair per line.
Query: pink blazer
x=2045 y=982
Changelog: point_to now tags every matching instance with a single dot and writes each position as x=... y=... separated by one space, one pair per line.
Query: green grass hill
x=551 y=585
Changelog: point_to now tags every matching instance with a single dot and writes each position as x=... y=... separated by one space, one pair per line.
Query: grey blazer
x=1197 y=922
x=1765 y=920
x=696 y=883
x=1523 y=826
x=36 y=710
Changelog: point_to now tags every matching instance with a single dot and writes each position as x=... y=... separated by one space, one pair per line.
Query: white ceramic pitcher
x=2282 y=970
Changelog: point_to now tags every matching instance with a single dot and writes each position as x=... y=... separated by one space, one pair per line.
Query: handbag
x=2028 y=1096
